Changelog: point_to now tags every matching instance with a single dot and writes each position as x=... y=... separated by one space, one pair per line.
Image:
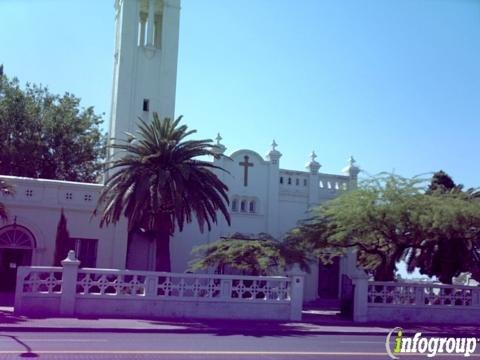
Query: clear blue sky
x=395 y=83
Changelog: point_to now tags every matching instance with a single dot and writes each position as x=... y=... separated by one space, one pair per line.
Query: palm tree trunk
x=162 y=254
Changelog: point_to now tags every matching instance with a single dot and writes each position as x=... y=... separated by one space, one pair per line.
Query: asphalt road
x=71 y=345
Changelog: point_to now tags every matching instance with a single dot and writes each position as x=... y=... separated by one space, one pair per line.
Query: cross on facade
x=245 y=165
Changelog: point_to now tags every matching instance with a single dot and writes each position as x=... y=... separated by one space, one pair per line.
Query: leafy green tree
x=48 y=136
x=262 y=255
x=390 y=219
x=161 y=183
x=442 y=182
x=5 y=189
x=376 y=218
x=63 y=243
x=451 y=232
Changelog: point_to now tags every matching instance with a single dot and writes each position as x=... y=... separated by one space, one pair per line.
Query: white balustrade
x=88 y=291
x=421 y=294
x=416 y=302
x=127 y=283
x=40 y=280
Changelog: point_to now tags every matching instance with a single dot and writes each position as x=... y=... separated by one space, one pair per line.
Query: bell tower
x=145 y=62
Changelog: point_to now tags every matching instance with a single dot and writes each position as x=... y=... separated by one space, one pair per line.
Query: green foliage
x=160 y=184
x=5 y=189
x=390 y=218
x=450 y=233
x=63 y=243
x=48 y=136
x=262 y=255
x=441 y=182
x=376 y=219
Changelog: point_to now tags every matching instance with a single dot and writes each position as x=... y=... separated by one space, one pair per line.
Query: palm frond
x=161 y=176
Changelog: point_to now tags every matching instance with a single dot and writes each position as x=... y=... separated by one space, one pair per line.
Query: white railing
x=70 y=288
x=333 y=183
x=422 y=294
x=199 y=287
x=42 y=280
x=415 y=302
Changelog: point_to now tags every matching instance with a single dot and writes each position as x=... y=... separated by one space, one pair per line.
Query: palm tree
x=5 y=189
x=160 y=184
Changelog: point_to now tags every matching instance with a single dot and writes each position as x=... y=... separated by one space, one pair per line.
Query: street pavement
x=321 y=335
x=106 y=345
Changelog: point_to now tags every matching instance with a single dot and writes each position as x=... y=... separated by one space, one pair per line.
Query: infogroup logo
x=428 y=346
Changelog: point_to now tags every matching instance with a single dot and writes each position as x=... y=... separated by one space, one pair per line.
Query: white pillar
x=297 y=278
x=272 y=196
x=352 y=171
x=69 y=284
x=360 y=281
x=313 y=180
x=151 y=282
x=22 y=272
x=226 y=289
x=360 y=300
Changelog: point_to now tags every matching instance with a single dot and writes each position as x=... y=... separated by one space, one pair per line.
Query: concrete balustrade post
x=475 y=297
x=151 y=282
x=22 y=272
x=360 y=300
x=226 y=288
x=69 y=284
x=419 y=293
x=297 y=279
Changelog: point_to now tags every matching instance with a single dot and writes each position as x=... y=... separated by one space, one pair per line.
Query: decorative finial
x=70 y=260
x=313 y=165
x=71 y=255
x=274 y=145
x=219 y=148
x=351 y=161
x=351 y=169
x=274 y=155
x=218 y=138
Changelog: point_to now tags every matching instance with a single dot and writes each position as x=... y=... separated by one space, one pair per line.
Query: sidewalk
x=314 y=323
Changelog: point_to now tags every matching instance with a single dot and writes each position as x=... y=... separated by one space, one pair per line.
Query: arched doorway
x=16 y=247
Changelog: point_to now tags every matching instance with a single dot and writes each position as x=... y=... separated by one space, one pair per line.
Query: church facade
x=263 y=196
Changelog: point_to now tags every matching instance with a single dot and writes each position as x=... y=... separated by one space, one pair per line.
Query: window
x=251 y=206
x=297 y=181
x=146 y=105
x=142 y=28
x=243 y=206
x=281 y=179
x=157 y=31
x=29 y=193
x=289 y=181
x=68 y=196
x=87 y=197
x=16 y=237
x=235 y=205
x=304 y=182
x=86 y=250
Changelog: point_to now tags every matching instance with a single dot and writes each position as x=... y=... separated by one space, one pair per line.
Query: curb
x=234 y=331
x=263 y=332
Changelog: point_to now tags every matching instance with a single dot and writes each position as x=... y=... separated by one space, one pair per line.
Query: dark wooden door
x=328 y=279
x=10 y=260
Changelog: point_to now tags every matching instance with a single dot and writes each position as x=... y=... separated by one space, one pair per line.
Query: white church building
x=264 y=197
